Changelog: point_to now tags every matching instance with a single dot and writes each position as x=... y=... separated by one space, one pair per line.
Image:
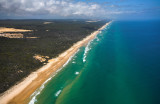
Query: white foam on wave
x=38 y=91
x=76 y=73
x=73 y=62
x=70 y=58
x=87 y=48
x=86 y=51
x=58 y=92
x=97 y=38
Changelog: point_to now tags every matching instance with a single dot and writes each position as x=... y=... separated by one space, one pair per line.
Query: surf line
x=88 y=48
x=38 y=91
x=21 y=92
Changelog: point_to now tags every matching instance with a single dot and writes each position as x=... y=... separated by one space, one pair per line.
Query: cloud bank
x=62 y=8
x=77 y=9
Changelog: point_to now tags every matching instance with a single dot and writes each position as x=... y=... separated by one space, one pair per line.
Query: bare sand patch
x=13 y=35
x=5 y=29
x=40 y=57
x=32 y=37
x=4 y=32
x=47 y=22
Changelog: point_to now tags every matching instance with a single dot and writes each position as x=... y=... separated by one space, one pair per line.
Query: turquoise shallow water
x=120 y=66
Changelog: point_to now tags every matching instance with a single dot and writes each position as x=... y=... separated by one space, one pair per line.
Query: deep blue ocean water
x=120 y=66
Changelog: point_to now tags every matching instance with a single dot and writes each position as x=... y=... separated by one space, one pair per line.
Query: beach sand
x=20 y=93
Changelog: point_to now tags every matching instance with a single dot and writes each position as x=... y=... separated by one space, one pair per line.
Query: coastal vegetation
x=47 y=38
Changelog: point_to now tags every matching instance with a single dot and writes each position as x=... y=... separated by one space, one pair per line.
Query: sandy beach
x=20 y=93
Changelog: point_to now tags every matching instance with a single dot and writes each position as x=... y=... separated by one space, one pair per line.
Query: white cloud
x=62 y=8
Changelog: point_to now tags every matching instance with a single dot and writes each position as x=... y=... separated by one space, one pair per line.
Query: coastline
x=19 y=94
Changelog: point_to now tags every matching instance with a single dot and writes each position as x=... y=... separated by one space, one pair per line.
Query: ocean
x=120 y=66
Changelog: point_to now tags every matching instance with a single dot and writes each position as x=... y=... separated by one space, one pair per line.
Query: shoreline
x=19 y=93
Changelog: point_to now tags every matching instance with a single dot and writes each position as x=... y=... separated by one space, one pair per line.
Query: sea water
x=120 y=66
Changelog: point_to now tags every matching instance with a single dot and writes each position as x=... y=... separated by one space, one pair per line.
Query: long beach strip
x=20 y=93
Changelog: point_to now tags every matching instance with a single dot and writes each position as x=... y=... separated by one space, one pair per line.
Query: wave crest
x=58 y=92
x=87 y=48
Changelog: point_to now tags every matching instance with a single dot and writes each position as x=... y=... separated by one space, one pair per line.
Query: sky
x=79 y=9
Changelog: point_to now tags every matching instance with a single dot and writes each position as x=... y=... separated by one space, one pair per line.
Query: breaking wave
x=73 y=62
x=76 y=73
x=87 y=48
x=58 y=92
x=38 y=91
x=97 y=38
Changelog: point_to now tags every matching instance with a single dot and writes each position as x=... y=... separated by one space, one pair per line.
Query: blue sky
x=81 y=9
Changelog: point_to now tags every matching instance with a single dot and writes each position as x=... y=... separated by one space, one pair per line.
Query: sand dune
x=5 y=29
x=3 y=33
